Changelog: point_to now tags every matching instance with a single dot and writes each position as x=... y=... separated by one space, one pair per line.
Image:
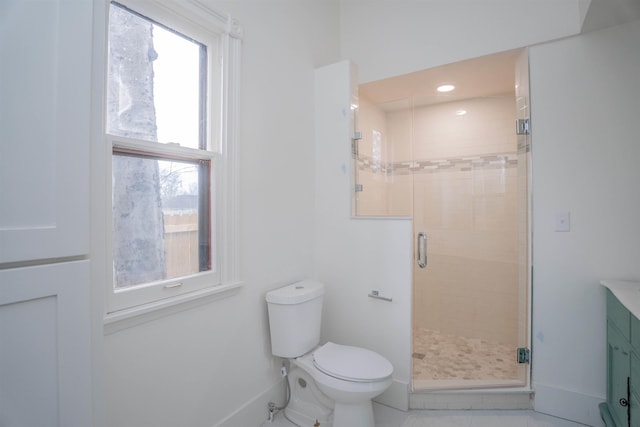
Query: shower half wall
x=456 y=169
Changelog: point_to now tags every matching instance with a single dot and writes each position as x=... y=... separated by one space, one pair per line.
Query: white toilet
x=331 y=383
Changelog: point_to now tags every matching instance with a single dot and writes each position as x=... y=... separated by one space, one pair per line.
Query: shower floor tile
x=438 y=356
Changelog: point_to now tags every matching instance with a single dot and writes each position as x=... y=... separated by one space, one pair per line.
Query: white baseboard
x=255 y=411
x=568 y=404
x=396 y=396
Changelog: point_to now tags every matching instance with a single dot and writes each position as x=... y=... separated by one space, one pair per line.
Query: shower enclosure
x=455 y=164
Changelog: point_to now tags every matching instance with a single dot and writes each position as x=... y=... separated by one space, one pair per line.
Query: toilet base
x=353 y=415
x=344 y=415
x=307 y=403
x=302 y=419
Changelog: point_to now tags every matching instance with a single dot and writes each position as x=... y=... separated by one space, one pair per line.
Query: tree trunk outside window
x=138 y=229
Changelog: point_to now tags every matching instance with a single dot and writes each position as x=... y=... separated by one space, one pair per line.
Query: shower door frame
x=395 y=172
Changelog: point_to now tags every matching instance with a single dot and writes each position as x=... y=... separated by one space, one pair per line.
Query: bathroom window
x=169 y=111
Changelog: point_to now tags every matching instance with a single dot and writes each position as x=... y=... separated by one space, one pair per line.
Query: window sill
x=130 y=317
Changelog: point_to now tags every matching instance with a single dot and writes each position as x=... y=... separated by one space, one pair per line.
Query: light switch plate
x=562 y=221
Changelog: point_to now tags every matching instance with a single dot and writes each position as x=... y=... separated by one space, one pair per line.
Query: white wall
x=607 y=13
x=392 y=37
x=585 y=148
x=356 y=256
x=199 y=366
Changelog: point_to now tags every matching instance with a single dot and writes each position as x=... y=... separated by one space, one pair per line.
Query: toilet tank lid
x=296 y=293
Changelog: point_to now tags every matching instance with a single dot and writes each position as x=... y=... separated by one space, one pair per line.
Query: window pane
x=160 y=219
x=156 y=87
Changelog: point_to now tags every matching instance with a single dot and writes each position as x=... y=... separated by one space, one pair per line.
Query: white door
x=45 y=345
x=45 y=316
x=45 y=76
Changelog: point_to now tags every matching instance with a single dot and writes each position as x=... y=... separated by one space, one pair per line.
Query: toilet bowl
x=350 y=377
x=330 y=383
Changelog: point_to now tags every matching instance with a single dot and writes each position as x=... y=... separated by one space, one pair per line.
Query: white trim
x=380 y=217
x=396 y=396
x=199 y=16
x=99 y=214
x=230 y=162
x=160 y=149
x=568 y=404
x=134 y=316
x=254 y=412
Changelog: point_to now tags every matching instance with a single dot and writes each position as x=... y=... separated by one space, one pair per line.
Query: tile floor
x=388 y=417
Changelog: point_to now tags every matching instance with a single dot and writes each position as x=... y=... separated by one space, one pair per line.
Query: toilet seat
x=351 y=363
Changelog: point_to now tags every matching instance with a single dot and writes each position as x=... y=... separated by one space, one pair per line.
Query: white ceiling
x=489 y=75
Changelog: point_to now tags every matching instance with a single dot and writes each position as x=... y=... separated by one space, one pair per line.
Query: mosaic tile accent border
x=454 y=164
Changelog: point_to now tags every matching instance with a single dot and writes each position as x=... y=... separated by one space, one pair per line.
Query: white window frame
x=222 y=36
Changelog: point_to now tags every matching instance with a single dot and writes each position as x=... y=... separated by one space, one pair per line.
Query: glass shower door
x=469 y=286
x=383 y=184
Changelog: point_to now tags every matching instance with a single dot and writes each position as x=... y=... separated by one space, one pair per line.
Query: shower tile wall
x=463 y=173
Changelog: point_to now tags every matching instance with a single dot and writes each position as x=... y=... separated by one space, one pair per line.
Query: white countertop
x=628 y=293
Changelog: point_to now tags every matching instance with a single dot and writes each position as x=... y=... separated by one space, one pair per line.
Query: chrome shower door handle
x=422 y=249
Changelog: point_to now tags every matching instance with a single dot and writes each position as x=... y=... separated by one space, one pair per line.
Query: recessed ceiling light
x=446 y=88
x=461 y=112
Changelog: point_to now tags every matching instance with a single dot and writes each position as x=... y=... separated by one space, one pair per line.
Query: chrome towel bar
x=376 y=294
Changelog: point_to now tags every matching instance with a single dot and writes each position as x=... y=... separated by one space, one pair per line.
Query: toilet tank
x=295 y=315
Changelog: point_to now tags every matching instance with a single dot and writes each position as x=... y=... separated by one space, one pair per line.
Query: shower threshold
x=470 y=385
x=485 y=398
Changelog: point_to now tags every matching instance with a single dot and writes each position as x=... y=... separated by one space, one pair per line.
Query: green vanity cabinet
x=618 y=374
x=623 y=366
x=634 y=388
x=634 y=381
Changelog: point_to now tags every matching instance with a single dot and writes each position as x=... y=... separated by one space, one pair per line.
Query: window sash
x=169 y=151
x=197 y=118
x=211 y=29
x=203 y=246
x=140 y=294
